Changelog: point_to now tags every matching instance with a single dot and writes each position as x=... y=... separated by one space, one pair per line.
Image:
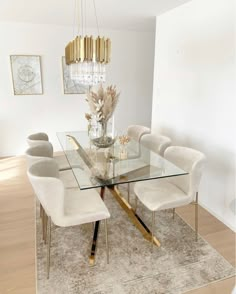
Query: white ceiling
x=112 y=14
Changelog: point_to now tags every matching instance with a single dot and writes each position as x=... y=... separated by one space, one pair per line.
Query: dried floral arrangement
x=88 y=117
x=103 y=103
x=124 y=139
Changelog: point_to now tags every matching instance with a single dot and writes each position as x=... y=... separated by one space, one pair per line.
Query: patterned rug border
x=207 y=284
x=210 y=246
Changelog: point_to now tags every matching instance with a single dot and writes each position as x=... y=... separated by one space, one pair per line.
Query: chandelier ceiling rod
x=95 y=11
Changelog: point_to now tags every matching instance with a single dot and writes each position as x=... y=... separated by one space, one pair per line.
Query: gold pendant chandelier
x=87 y=56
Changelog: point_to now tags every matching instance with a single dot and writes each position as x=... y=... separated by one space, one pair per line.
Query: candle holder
x=124 y=140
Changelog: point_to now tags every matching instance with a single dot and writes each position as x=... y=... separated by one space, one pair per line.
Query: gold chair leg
x=43 y=224
x=196 y=217
x=45 y=227
x=48 y=245
x=128 y=192
x=173 y=213
x=153 y=222
x=106 y=234
x=41 y=211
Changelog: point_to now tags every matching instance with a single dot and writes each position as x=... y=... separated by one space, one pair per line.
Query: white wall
x=131 y=70
x=194 y=93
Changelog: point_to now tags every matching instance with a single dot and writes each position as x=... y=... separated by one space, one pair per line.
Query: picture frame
x=71 y=86
x=26 y=74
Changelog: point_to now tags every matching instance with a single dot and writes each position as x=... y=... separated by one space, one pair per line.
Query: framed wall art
x=26 y=74
x=71 y=86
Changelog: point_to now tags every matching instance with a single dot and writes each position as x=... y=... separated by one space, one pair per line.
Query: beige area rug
x=179 y=265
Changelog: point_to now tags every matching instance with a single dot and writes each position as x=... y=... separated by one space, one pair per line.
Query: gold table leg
x=94 y=243
x=95 y=235
x=137 y=221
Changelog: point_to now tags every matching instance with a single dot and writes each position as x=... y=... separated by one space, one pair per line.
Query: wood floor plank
x=17 y=229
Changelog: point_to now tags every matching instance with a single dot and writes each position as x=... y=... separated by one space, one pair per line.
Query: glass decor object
x=102 y=105
x=123 y=140
x=105 y=137
x=87 y=56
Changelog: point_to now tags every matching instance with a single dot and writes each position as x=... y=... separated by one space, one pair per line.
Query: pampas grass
x=103 y=103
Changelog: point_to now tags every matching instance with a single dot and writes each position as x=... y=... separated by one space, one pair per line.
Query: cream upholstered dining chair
x=155 y=143
x=173 y=192
x=42 y=139
x=64 y=207
x=37 y=138
x=38 y=152
x=45 y=150
x=137 y=131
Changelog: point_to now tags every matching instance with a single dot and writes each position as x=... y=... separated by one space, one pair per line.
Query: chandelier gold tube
x=71 y=52
x=102 y=50
x=107 y=50
x=67 y=54
x=97 y=49
x=74 y=51
x=81 y=49
x=77 y=40
x=91 y=48
x=86 y=48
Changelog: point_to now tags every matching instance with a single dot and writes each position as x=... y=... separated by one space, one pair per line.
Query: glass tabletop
x=99 y=167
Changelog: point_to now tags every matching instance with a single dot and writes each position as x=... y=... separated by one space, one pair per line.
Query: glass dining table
x=109 y=167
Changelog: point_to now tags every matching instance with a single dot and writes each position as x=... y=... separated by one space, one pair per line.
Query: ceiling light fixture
x=87 y=56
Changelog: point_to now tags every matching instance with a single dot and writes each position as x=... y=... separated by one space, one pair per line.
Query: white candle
x=113 y=126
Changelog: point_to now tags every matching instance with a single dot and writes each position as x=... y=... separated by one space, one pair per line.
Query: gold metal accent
x=48 y=245
x=107 y=50
x=88 y=49
x=129 y=192
x=153 y=223
x=91 y=260
x=128 y=209
x=196 y=217
x=173 y=213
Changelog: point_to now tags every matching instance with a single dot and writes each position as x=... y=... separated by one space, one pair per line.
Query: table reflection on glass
x=109 y=167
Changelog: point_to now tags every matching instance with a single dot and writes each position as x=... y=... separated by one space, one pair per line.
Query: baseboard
x=4 y=157
x=233 y=228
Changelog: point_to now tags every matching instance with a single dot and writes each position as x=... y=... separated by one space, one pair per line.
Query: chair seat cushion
x=160 y=194
x=68 y=179
x=62 y=162
x=82 y=206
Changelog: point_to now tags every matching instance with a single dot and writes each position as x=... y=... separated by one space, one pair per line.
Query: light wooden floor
x=17 y=233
